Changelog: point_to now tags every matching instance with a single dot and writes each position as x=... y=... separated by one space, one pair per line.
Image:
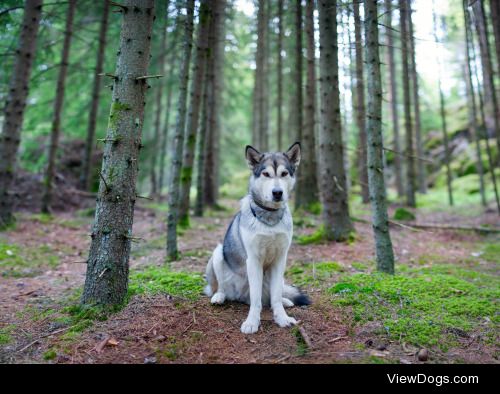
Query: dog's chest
x=271 y=247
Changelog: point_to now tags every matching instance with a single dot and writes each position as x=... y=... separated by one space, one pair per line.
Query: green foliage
x=26 y=261
x=424 y=306
x=153 y=280
x=403 y=214
x=316 y=237
x=5 y=334
x=49 y=355
x=491 y=252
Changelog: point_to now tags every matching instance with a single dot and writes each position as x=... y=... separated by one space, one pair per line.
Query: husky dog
x=250 y=265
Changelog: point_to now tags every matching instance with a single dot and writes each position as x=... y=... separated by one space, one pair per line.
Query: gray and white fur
x=249 y=266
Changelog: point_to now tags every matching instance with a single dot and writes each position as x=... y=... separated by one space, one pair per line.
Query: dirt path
x=163 y=329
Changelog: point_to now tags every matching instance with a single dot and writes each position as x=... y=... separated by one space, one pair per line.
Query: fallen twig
x=45 y=336
x=305 y=336
x=337 y=339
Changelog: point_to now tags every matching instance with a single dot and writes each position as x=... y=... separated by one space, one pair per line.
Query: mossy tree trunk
x=393 y=99
x=156 y=149
x=176 y=162
x=375 y=152
x=307 y=179
x=107 y=267
x=360 y=106
x=15 y=106
x=336 y=221
x=94 y=105
x=409 y=151
x=279 y=70
x=194 y=111
x=421 y=172
x=58 y=106
x=299 y=96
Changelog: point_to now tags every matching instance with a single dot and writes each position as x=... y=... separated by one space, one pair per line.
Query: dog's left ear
x=253 y=156
x=293 y=154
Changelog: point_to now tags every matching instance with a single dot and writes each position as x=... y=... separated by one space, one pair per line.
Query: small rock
x=423 y=355
x=150 y=360
x=382 y=346
x=369 y=343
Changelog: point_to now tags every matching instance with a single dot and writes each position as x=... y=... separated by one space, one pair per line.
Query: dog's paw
x=218 y=298
x=250 y=326
x=285 y=321
x=287 y=303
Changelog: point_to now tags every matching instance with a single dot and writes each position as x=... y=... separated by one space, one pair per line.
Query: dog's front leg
x=255 y=274
x=276 y=289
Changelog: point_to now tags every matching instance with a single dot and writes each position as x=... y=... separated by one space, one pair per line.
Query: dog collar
x=266 y=215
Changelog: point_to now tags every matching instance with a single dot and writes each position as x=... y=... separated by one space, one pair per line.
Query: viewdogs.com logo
x=437 y=380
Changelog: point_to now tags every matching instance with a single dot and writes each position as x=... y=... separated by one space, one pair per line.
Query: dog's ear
x=253 y=156
x=293 y=154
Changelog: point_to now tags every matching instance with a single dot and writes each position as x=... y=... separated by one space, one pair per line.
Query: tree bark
x=173 y=190
x=375 y=152
x=393 y=99
x=360 y=106
x=58 y=106
x=487 y=69
x=335 y=214
x=159 y=95
x=443 y=121
x=410 y=165
x=495 y=22
x=107 y=266
x=279 y=121
x=421 y=172
x=94 y=106
x=15 y=106
x=194 y=111
x=298 y=108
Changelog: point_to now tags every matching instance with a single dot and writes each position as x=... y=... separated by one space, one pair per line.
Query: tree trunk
x=375 y=153
x=15 y=106
x=336 y=220
x=410 y=165
x=194 y=112
x=107 y=266
x=495 y=22
x=307 y=180
x=58 y=106
x=393 y=99
x=213 y=133
x=159 y=95
x=94 y=106
x=421 y=172
x=298 y=95
x=173 y=189
x=260 y=90
x=487 y=69
x=279 y=121
x=360 y=106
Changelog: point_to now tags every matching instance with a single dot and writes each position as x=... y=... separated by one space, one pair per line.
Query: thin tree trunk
x=447 y=155
x=194 y=112
x=213 y=133
x=495 y=22
x=336 y=221
x=421 y=172
x=260 y=90
x=279 y=121
x=94 y=106
x=15 y=106
x=299 y=122
x=360 y=106
x=173 y=190
x=383 y=244
x=159 y=95
x=410 y=165
x=107 y=266
x=487 y=69
x=58 y=106
x=308 y=181
x=393 y=99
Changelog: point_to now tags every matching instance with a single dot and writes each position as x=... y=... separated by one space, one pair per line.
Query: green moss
x=27 y=261
x=153 y=280
x=316 y=237
x=50 y=355
x=423 y=306
x=491 y=252
x=6 y=334
x=403 y=214
x=116 y=108
x=184 y=222
x=186 y=174
x=302 y=347
x=359 y=266
x=43 y=218
x=86 y=213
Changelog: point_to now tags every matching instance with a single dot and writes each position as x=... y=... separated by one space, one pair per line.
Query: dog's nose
x=277 y=194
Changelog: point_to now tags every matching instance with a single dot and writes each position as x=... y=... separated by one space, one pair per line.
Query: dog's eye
x=284 y=174
x=266 y=174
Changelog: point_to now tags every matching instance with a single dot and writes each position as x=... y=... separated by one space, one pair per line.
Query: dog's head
x=273 y=174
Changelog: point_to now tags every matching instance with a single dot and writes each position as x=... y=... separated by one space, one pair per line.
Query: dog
x=249 y=266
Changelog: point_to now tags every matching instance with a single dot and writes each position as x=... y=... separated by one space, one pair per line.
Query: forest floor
x=443 y=298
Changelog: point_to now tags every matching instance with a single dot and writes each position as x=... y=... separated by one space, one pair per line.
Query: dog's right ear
x=253 y=156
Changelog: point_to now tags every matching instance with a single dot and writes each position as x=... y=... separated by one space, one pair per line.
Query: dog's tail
x=296 y=295
x=211 y=287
